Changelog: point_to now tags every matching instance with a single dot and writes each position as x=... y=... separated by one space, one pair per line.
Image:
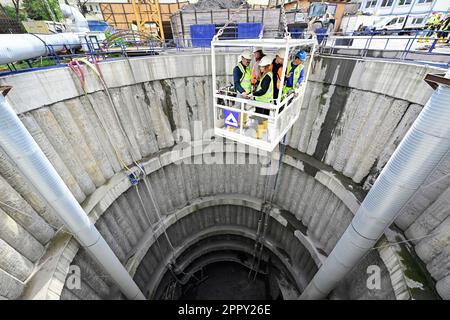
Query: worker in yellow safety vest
x=242 y=81
x=295 y=72
x=264 y=90
x=433 y=23
x=444 y=29
x=242 y=74
x=264 y=93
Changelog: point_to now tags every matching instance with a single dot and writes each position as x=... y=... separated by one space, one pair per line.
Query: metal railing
x=246 y=117
x=261 y=124
x=420 y=46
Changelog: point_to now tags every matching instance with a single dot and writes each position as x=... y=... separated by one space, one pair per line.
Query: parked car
x=401 y=23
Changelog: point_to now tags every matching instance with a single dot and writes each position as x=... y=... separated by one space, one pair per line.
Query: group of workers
x=258 y=77
x=438 y=26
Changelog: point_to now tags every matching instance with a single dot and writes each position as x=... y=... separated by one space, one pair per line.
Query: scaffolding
x=144 y=15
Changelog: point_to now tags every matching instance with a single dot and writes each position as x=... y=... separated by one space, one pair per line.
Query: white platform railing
x=244 y=118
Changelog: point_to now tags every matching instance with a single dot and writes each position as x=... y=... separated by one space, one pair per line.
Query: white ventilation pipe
x=16 y=47
x=420 y=151
x=20 y=146
x=79 y=22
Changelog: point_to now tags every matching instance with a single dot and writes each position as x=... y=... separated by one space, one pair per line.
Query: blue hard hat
x=301 y=55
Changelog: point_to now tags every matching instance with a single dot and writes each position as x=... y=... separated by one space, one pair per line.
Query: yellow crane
x=148 y=11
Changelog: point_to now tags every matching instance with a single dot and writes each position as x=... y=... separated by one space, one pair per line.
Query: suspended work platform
x=243 y=119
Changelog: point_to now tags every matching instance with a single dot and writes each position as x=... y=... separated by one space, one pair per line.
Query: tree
x=14 y=13
x=43 y=9
x=16 y=4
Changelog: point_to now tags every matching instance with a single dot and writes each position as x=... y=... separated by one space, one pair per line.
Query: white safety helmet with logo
x=246 y=54
x=265 y=61
x=256 y=49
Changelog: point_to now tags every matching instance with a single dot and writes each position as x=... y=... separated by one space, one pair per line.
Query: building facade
x=335 y=7
x=402 y=7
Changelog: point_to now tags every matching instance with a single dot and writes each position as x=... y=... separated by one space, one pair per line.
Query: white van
x=390 y=23
x=416 y=22
x=405 y=22
x=351 y=23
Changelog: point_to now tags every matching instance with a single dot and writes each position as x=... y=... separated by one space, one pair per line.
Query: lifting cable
x=134 y=177
x=75 y=66
x=169 y=292
x=267 y=204
x=154 y=203
x=230 y=19
x=265 y=212
x=287 y=34
x=143 y=176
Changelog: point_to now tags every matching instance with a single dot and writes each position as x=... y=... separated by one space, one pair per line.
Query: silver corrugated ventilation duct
x=20 y=146
x=79 y=22
x=425 y=144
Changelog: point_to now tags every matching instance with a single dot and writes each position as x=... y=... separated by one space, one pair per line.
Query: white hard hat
x=257 y=49
x=246 y=54
x=265 y=61
x=281 y=52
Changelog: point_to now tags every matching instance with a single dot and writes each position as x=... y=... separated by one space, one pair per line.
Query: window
x=400 y=20
x=317 y=10
x=393 y=21
x=387 y=3
x=424 y=1
x=417 y=20
x=371 y=3
x=404 y=2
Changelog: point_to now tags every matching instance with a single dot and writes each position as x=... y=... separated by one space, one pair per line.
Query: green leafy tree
x=43 y=9
x=15 y=14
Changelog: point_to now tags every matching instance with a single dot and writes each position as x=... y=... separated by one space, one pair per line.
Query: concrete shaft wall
x=194 y=213
x=355 y=114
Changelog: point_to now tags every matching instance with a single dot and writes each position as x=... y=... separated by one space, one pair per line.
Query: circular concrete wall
x=354 y=115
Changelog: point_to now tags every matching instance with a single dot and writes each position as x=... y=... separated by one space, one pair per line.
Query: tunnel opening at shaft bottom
x=223 y=267
x=226 y=280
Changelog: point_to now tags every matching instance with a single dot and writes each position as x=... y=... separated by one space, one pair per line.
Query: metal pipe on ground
x=20 y=146
x=420 y=151
x=79 y=22
x=16 y=47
